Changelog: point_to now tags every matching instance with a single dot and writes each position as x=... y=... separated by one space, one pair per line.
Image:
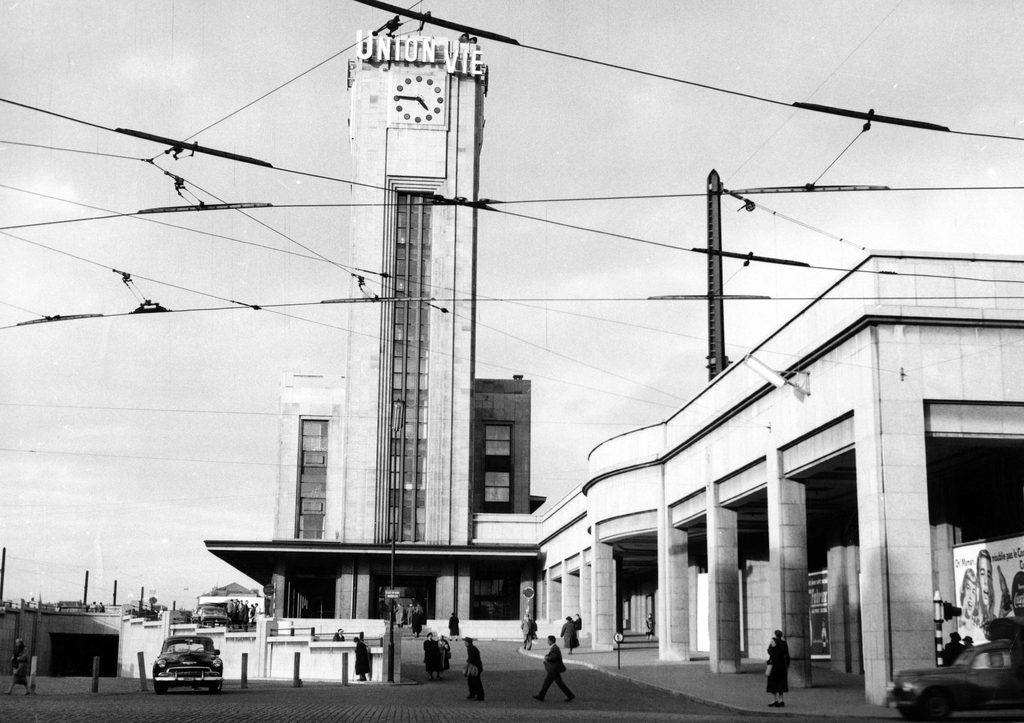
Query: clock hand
x=422 y=102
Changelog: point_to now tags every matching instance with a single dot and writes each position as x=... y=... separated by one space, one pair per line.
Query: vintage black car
x=210 y=616
x=984 y=677
x=188 y=661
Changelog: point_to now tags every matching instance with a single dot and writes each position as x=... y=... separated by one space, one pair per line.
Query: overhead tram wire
x=813 y=107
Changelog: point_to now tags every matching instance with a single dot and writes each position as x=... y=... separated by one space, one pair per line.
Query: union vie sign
x=463 y=58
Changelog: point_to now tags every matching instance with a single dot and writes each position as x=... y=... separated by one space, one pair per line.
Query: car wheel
x=159 y=688
x=936 y=705
x=216 y=687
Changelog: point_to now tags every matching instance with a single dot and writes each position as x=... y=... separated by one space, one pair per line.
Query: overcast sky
x=128 y=440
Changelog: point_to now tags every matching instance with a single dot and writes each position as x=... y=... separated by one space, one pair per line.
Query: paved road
x=509 y=680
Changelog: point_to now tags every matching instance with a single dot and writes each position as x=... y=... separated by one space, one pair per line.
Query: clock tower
x=416 y=131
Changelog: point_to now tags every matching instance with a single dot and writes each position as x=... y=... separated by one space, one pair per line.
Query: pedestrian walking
x=473 y=670
x=578 y=622
x=362 y=659
x=453 y=626
x=778 y=669
x=569 y=637
x=432 y=657
x=19 y=667
x=554 y=667
x=650 y=626
x=400 y=616
x=529 y=628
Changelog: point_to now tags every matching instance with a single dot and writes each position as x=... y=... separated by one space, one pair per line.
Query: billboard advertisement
x=989 y=579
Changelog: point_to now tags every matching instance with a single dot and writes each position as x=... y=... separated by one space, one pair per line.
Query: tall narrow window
x=497 y=467
x=410 y=338
x=312 y=480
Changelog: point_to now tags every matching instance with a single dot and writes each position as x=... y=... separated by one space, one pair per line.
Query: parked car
x=984 y=677
x=188 y=661
x=209 y=616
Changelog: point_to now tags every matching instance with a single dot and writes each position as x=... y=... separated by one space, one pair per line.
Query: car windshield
x=188 y=645
x=212 y=612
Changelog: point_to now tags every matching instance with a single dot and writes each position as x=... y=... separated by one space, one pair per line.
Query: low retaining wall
x=270 y=645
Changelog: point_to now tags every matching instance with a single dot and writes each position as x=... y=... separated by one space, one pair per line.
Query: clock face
x=418 y=99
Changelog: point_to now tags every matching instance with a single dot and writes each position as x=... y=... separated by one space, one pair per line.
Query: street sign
x=391 y=593
x=268 y=589
x=618 y=637
x=528 y=593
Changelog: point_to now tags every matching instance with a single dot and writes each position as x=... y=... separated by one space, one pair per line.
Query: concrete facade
x=906 y=379
x=376 y=484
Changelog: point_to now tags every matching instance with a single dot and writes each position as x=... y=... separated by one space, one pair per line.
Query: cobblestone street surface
x=510 y=681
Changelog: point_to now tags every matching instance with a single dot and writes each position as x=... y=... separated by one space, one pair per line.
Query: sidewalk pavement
x=832 y=695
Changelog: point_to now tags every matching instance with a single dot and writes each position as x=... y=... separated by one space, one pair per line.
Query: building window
x=410 y=339
x=495 y=595
x=497 y=468
x=312 y=497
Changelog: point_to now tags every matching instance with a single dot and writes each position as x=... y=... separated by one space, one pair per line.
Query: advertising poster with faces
x=989 y=583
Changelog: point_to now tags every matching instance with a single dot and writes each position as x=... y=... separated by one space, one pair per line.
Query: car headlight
x=217 y=663
x=160 y=664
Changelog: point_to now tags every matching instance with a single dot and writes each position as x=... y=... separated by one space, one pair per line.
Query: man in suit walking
x=474 y=668
x=554 y=667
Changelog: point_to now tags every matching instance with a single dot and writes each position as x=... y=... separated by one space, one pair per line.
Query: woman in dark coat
x=570 y=639
x=19 y=667
x=432 y=657
x=453 y=626
x=362 y=658
x=778 y=678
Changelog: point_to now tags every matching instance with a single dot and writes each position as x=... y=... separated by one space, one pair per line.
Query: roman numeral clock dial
x=418 y=100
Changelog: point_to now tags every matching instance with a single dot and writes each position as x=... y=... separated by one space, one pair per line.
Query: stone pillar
x=586 y=598
x=672 y=618
x=444 y=591
x=895 y=536
x=462 y=591
x=692 y=589
x=570 y=592
x=787 y=567
x=723 y=586
x=278 y=581
x=554 y=590
x=344 y=581
x=844 y=609
x=602 y=582
x=363 y=594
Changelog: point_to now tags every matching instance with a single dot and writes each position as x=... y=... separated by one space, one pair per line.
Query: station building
x=825 y=499
x=405 y=471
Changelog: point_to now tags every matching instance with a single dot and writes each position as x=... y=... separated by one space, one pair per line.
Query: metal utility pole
x=717 y=361
x=85 y=591
x=3 y=573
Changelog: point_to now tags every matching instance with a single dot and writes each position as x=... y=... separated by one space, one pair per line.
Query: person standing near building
x=554 y=667
x=778 y=669
x=432 y=657
x=19 y=667
x=453 y=626
x=362 y=658
x=952 y=650
x=529 y=629
x=569 y=638
x=650 y=626
x=446 y=653
x=474 y=669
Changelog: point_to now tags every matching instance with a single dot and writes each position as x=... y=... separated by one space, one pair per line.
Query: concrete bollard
x=296 y=680
x=245 y=670
x=344 y=668
x=142 y=672
x=96 y=674
x=32 y=673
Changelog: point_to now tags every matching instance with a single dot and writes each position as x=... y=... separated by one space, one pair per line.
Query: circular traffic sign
x=618 y=637
x=528 y=592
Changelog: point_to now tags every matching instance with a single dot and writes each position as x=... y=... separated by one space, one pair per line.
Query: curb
x=688 y=696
